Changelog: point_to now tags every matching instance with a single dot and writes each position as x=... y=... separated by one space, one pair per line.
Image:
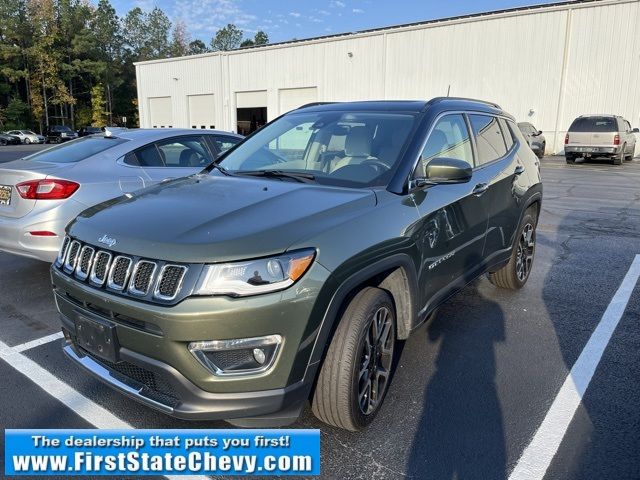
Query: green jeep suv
x=288 y=271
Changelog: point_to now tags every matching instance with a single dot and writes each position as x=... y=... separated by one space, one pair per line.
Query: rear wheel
x=27 y=141
x=570 y=159
x=617 y=160
x=3 y=142
x=515 y=274
x=355 y=375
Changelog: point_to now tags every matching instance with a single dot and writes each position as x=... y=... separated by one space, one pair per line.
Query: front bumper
x=155 y=367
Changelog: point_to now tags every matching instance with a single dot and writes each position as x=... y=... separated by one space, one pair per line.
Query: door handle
x=480 y=189
x=519 y=170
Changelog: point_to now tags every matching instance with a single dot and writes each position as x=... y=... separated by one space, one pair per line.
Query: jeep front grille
x=84 y=264
x=119 y=274
x=170 y=281
x=122 y=274
x=141 y=278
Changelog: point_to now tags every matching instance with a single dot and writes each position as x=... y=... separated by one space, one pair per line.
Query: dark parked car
x=291 y=268
x=534 y=138
x=84 y=131
x=59 y=134
x=6 y=139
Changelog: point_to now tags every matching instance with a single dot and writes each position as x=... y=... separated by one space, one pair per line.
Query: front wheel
x=515 y=274
x=355 y=375
x=27 y=141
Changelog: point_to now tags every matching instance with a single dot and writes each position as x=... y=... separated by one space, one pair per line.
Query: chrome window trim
x=78 y=272
x=92 y=276
x=465 y=113
x=110 y=283
x=156 y=291
x=132 y=288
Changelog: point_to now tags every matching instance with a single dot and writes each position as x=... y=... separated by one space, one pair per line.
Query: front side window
x=489 y=140
x=449 y=139
x=342 y=148
x=76 y=150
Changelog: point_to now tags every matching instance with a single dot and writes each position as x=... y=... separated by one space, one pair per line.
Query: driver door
x=453 y=223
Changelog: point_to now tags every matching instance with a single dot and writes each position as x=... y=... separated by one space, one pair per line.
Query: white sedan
x=27 y=136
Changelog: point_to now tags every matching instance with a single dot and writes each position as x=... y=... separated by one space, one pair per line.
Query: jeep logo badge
x=107 y=240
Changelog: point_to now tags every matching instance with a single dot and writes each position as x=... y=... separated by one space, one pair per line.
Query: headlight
x=254 y=276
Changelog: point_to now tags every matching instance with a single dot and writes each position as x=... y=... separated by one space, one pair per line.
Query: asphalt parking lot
x=472 y=386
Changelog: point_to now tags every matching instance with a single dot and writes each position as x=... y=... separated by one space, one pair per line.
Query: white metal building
x=544 y=64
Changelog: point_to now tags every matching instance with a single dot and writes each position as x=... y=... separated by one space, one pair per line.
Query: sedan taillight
x=616 y=139
x=47 y=189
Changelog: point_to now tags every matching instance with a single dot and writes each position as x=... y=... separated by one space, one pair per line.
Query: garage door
x=201 y=111
x=291 y=98
x=161 y=112
x=251 y=99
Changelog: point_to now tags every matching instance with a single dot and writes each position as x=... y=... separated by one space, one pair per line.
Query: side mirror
x=448 y=170
x=539 y=132
x=635 y=130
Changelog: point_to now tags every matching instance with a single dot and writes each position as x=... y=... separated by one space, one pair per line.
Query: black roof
x=417 y=106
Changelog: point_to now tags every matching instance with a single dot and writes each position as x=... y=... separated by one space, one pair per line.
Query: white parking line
x=537 y=457
x=90 y=411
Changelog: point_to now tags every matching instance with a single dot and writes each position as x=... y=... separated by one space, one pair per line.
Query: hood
x=207 y=218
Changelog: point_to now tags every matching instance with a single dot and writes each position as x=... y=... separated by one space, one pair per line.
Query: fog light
x=243 y=356
x=259 y=355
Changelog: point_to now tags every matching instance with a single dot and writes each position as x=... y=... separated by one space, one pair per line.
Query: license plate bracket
x=5 y=194
x=98 y=338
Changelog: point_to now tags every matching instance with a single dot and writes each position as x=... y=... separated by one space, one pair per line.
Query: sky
x=287 y=19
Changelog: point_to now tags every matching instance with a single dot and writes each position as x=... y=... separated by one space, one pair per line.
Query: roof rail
x=314 y=104
x=440 y=99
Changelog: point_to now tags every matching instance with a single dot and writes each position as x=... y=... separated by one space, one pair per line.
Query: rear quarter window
x=76 y=150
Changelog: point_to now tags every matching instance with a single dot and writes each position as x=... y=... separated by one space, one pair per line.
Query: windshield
x=76 y=150
x=353 y=149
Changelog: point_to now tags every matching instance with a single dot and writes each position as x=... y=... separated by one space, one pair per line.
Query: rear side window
x=594 y=124
x=186 y=152
x=76 y=150
x=509 y=139
x=489 y=140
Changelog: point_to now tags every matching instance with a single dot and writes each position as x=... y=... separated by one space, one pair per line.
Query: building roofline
x=480 y=16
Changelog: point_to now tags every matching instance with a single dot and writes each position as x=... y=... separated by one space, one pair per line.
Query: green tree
x=98 y=104
x=197 y=47
x=158 y=26
x=247 y=43
x=16 y=114
x=261 y=38
x=227 y=38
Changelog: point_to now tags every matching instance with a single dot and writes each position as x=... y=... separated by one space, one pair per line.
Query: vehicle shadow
x=463 y=437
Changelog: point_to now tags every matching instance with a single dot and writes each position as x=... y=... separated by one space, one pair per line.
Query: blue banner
x=162 y=452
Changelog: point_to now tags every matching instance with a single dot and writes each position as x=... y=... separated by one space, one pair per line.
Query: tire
x=514 y=275
x=347 y=373
x=27 y=141
x=540 y=153
x=570 y=160
x=617 y=160
x=3 y=142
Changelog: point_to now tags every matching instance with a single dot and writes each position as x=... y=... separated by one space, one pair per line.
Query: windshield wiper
x=298 y=176
x=222 y=170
